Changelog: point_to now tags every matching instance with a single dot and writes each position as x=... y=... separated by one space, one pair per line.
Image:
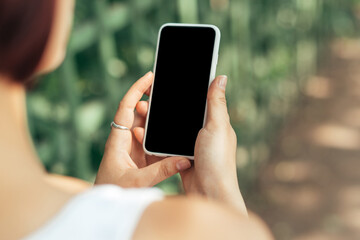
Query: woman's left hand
x=124 y=162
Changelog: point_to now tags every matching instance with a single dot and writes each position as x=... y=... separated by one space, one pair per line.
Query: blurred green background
x=268 y=49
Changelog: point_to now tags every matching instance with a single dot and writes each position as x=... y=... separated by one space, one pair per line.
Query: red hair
x=25 y=27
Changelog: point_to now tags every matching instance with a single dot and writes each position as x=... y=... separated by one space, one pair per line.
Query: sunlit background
x=293 y=96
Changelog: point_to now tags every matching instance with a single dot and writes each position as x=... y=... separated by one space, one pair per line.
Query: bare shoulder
x=196 y=218
x=67 y=184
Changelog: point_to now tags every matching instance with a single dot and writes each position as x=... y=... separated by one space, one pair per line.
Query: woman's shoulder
x=179 y=218
x=102 y=212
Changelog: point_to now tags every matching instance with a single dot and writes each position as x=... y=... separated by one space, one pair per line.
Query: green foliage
x=268 y=49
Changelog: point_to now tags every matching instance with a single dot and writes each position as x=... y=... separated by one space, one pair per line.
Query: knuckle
x=124 y=105
x=217 y=99
x=222 y=100
x=217 y=121
x=166 y=169
x=203 y=131
x=212 y=125
x=223 y=127
x=121 y=104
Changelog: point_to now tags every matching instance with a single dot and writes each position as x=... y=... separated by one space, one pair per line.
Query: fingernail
x=183 y=165
x=222 y=81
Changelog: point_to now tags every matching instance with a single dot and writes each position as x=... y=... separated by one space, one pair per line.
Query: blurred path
x=311 y=187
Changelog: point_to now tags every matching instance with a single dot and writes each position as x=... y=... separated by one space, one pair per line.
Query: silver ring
x=113 y=124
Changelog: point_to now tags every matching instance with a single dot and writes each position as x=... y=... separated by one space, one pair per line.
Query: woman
x=33 y=36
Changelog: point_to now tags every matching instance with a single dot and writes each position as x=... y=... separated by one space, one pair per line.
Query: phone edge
x=212 y=77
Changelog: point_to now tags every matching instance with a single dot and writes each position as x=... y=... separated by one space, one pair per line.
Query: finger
x=119 y=140
x=159 y=171
x=139 y=121
x=142 y=108
x=148 y=91
x=153 y=159
x=139 y=133
x=125 y=113
x=217 y=113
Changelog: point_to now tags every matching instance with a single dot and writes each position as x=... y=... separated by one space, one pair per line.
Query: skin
x=214 y=172
x=212 y=209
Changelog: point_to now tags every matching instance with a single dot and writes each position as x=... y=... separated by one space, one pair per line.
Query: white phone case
x=212 y=76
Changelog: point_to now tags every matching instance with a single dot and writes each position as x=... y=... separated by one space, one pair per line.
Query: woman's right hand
x=214 y=172
x=124 y=162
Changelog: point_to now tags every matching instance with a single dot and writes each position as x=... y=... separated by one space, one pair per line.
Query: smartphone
x=185 y=66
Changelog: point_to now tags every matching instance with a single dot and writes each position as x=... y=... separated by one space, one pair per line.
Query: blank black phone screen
x=180 y=89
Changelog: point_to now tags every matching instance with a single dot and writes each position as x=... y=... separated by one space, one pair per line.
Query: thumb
x=161 y=170
x=217 y=113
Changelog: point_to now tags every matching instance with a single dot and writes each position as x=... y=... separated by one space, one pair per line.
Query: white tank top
x=103 y=212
